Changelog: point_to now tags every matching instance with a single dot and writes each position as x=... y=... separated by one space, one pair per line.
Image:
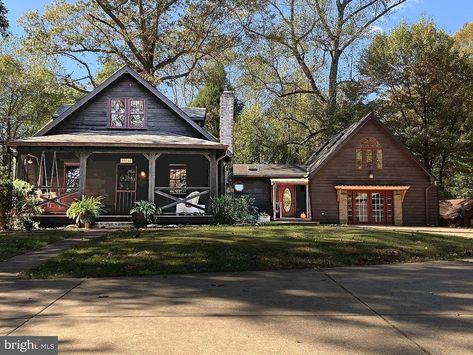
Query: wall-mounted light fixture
x=142 y=174
x=371 y=175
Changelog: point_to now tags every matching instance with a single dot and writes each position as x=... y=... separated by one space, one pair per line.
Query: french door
x=370 y=207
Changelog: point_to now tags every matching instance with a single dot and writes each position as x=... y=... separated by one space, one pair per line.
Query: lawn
x=15 y=243
x=219 y=248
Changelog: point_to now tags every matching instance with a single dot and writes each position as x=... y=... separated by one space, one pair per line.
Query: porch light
x=142 y=174
x=371 y=175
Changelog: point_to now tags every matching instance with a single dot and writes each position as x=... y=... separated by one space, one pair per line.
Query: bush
x=86 y=210
x=23 y=206
x=144 y=213
x=6 y=189
x=234 y=210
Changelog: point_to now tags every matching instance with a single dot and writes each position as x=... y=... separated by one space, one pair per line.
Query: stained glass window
x=118 y=113
x=127 y=113
x=177 y=178
x=369 y=154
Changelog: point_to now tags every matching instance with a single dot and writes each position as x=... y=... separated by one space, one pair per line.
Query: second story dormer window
x=127 y=113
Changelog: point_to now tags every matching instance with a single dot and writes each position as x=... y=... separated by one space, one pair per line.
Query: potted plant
x=86 y=211
x=264 y=218
x=144 y=213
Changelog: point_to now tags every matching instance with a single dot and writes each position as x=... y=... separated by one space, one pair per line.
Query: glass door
x=370 y=207
x=361 y=207
x=126 y=188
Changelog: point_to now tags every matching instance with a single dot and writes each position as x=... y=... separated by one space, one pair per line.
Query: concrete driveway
x=404 y=308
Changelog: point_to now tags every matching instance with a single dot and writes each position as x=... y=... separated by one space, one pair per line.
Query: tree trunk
x=333 y=82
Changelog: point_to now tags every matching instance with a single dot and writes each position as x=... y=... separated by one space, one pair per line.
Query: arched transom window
x=369 y=154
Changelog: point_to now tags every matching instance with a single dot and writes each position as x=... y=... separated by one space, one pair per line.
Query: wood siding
x=260 y=190
x=399 y=169
x=94 y=115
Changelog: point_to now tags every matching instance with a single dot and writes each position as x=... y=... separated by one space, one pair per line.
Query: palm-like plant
x=147 y=210
x=86 y=210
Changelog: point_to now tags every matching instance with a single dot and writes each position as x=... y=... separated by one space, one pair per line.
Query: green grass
x=219 y=248
x=16 y=243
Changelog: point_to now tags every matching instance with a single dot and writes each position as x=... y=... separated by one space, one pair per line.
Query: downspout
x=427 y=205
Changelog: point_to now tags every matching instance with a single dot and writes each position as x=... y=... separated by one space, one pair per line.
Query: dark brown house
x=363 y=175
x=126 y=141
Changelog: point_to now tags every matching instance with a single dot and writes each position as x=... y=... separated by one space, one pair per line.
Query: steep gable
x=91 y=113
x=333 y=146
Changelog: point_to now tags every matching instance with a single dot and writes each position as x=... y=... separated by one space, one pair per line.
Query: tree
x=301 y=44
x=29 y=95
x=464 y=39
x=424 y=91
x=162 y=40
x=3 y=20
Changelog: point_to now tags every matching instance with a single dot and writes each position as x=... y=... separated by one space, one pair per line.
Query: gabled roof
x=196 y=113
x=67 y=111
x=269 y=170
x=326 y=151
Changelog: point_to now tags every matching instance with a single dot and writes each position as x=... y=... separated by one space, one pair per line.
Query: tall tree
x=301 y=44
x=163 y=40
x=464 y=39
x=29 y=95
x=424 y=91
x=3 y=19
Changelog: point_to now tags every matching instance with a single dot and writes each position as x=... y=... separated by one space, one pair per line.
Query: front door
x=126 y=188
x=372 y=207
x=287 y=200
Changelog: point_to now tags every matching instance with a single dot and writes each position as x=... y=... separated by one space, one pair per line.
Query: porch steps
x=114 y=225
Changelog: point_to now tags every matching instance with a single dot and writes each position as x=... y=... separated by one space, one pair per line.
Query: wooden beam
x=212 y=176
x=151 y=174
x=83 y=156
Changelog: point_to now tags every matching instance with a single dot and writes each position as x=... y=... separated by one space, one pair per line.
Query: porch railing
x=180 y=195
x=124 y=201
x=55 y=195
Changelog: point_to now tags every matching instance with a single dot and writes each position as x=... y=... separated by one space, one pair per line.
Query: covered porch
x=179 y=181
x=291 y=199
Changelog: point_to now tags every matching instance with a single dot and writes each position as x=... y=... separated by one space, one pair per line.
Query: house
x=449 y=212
x=126 y=141
x=363 y=175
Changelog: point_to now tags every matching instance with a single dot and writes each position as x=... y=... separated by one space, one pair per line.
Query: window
x=369 y=154
x=127 y=113
x=126 y=177
x=177 y=178
x=71 y=175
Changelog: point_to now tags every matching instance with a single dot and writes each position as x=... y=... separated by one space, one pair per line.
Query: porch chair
x=184 y=208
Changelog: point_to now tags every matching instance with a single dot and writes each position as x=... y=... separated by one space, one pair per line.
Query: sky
x=450 y=15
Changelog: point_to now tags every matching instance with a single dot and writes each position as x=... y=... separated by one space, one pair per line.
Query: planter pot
x=87 y=225
x=139 y=220
x=87 y=220
x=264 y=219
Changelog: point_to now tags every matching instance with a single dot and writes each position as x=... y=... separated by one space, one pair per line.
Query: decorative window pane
x=71 y=175
x=369 y=154
x=359 y=158
x=369 y=158
x=350 y=206
x=127 y=113
x=137 y=113
x=177 y=179
x=126 y=177
x=379 y=158
x=118 y=113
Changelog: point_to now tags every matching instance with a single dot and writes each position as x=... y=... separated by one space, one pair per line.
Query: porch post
x=307 y=198
x=83 y=156
x=273 y=187
x=151 y=174
x=213 y=176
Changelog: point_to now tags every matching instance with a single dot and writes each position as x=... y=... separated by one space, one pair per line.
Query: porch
x=291 y=199
x=180 y=182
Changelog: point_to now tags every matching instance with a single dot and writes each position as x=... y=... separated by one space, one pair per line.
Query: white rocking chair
x=185 y=208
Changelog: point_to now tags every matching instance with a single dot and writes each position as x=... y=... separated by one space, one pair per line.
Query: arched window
x=369 y=154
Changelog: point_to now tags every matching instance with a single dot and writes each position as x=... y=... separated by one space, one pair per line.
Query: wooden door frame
x=369 y=206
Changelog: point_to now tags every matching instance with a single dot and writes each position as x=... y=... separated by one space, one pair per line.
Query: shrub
x=234 y=210
x=144 y=213
x=86 y=210
x=23 y=206
x=6 y=189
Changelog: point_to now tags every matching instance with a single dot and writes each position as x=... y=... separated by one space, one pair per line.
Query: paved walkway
x=460 y=232
x=416 y=308
x=24 y=262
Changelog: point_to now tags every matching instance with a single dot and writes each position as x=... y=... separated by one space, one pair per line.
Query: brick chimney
x=227 y=103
